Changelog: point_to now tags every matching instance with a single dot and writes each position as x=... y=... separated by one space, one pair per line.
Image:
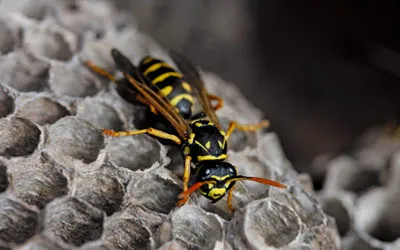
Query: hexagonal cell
x=6 y=103
x=131 y=228
x=100 y=114
x=43 y=111
x=46 y=42
x=263 y=224
x=152 y=192
x=17 y=222
x=377 y=214
x=72 y=221
x=6 y=38
x=37 y=180
x=99 y=187
x=3 y=177
x=193 y=228
x=305 y=205
x=74 y=137
x=345 y=173
x=71 y=81
x=335 y=208
x=23 y=71
x=19 y=136
x=135 y=152
x=41 y=242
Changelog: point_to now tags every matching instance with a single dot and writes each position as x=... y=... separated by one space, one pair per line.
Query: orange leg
x=229 y=200
x=186 y=177
x=220 y=101
x=250 y=128
x=150 y=131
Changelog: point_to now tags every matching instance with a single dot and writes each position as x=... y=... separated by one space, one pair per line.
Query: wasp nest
x=66 y=186
x=361 y=191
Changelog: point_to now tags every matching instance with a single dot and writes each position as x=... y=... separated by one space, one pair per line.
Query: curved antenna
x=256 y=179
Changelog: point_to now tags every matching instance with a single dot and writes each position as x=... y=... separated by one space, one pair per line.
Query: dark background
x=322 y=72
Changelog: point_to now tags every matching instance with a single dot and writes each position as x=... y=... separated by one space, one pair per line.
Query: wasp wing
x=162 y=105
x=193 y=77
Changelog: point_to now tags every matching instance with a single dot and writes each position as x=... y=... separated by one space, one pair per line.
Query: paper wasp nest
x=66 y=186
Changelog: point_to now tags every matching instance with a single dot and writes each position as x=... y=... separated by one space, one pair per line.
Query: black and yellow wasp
x=201 y=137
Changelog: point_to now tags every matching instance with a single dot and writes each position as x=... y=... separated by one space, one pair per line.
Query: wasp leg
x=99 y=70
x=186 y=177
x=220 y=101
x=250 y=128
x=229 y=200
x=150 y=131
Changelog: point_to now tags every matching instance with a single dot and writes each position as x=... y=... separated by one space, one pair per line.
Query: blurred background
x=321 y=72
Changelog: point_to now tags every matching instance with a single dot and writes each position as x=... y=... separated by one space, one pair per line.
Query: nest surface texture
x=64 y=185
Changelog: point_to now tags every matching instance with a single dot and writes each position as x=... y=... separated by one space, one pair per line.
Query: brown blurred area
x=321 y=72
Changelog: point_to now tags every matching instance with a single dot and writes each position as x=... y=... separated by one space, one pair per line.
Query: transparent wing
x=162 y=105
x=192 y=76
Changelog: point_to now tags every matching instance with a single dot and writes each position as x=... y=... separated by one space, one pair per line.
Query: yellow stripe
x=165 y=76
x=220 y=178
x=208 y=145
x=191 y=138
x=166 y=91
x=177 y=98
x=201 y=145
x=156 y=66
x=220 y=144
x=215 y=193
x=148 y=59
x=210 y=157
x=186 y=86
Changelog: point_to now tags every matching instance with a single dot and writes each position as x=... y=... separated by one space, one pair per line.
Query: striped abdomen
x=169 y=83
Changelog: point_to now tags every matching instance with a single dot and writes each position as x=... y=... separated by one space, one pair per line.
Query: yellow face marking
x=220 y=144
x=148 y=59
x=220 y=178
x=186 y=150
x=166 y=91
x=215 y=193
x=198 y=124
x=208 y=145
x=210 y=157
x=164 y=76
x=227 y=185
x=191 y=138
x=177 y=98
x=156 y=66
x=186 y=86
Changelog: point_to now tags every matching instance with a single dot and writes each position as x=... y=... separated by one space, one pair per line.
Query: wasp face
x=220 y=173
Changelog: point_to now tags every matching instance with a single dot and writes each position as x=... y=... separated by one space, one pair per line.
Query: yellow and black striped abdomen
x=168 y=83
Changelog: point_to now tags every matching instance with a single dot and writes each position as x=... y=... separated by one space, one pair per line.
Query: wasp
x=201 y=137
